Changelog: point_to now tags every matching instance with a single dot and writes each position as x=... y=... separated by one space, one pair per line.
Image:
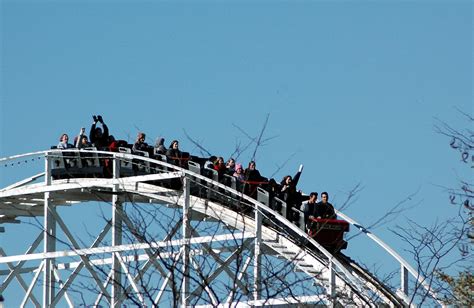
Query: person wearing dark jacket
x=99 y=137
x=252 y=174
x=81 y=140
x=291 y=195
x=160 y=146
x=230 y=166
x=287 y=186
x=173 y=153
x=310 y=208
x=252 y=180
x=324 y=209
x=140 y=144
x=274 y=191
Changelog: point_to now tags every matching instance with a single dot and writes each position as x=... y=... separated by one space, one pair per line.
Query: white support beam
x=22 y=270
x=32 y=284
x=205 y=285
x=78 y=265
x=49 y=240
x=257 y=274
x=186 y=235
x=151 y=255
x=240 y=276
x=127 y=247
x=47 y=169
x=61 y=285
x=166 y=281
x=86 y=183
x=163 y=287
x=23 y=182
x=130 y=279
x=14 y=272
x=223 y=264
x=28 y=211
x=117 y=224
x=17 y=269
x=101 y=294
x=291 y=301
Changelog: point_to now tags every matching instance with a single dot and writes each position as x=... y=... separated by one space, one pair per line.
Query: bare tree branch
x=197 y=144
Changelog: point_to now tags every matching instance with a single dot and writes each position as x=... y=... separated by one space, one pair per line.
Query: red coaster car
x=329 y=233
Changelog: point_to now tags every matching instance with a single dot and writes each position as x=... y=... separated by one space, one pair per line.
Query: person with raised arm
x=81 y=140
x=99 y=137
x=291 y=195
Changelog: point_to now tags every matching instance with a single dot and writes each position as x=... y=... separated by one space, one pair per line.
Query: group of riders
x=248 y=179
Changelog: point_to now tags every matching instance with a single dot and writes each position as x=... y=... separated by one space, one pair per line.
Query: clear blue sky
x=352 y=87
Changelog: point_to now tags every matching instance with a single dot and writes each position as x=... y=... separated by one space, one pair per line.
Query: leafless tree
x=446 y=245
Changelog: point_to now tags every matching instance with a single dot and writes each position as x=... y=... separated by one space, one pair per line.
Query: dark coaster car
x=329 y=233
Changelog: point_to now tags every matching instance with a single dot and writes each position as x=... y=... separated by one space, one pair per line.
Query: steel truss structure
x=218 y=247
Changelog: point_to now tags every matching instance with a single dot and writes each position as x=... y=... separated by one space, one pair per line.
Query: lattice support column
x=49 y=240
x=186 y=235
x=117 y=221
x=257 y=271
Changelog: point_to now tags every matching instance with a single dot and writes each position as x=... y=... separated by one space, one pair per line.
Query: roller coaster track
x=260 y=238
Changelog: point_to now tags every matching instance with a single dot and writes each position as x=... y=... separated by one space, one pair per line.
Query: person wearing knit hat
x=239 y=172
